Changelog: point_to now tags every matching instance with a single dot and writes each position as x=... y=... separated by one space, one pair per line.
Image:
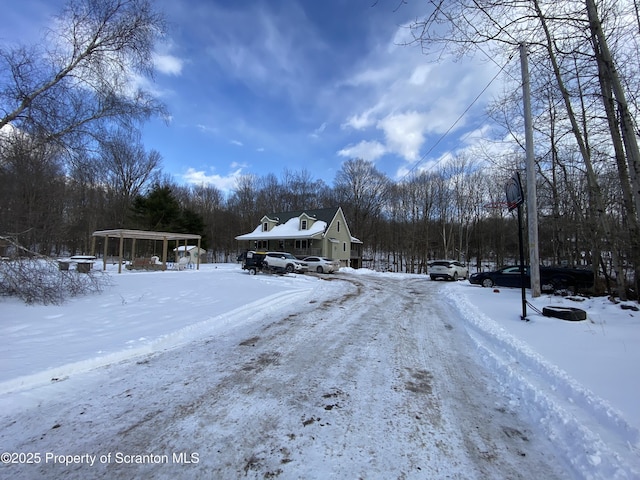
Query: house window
x=303 y=225
x=344 y=246
x=261 y=245
x=265 y=227
x=302 y=244
x=338 y=226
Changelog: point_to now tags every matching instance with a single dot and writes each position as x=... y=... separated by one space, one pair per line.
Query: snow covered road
x=380 y=380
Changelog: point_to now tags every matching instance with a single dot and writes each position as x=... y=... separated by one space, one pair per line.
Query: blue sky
x=259 y=87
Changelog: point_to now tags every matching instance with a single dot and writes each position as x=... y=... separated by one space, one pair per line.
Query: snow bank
x=594 y=437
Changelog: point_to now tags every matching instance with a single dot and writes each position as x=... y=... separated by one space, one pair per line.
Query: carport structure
x=133 y=235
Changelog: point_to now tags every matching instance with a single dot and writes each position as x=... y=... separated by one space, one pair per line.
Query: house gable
x=267 y=223
x=306 y=221
x=339 y=237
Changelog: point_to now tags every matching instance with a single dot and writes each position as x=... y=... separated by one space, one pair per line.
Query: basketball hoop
x=513 y=189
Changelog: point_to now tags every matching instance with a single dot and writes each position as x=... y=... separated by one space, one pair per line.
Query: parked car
x=322 y=264
x=284 y=262
x=448 y=269
x=272 y=262
x=252 y=261
x=551 y=278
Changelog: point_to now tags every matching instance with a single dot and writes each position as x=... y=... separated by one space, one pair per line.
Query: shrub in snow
x=39 y=280
x=35 y=278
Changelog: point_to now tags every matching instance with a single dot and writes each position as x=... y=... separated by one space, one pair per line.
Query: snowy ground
x=194 y=365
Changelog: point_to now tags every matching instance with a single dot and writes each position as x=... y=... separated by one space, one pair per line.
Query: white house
x=322 y=232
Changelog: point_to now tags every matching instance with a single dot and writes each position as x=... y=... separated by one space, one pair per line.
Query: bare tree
x=301 y=190
x=272 y=196
x=33 y=192
x=408 y=236
x=562 y=33
x=127 y=170
x=86 y=203
x=82 y=72
x=244 y=202
x=362 y=191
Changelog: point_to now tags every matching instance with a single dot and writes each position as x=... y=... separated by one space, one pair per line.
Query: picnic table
x=83 y=263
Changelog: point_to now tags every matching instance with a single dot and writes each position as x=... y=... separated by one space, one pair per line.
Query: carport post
x=104 y=253
x=120 y=253
x=164 y=252
x=198 y=257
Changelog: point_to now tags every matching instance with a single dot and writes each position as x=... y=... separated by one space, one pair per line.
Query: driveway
x=381 y=382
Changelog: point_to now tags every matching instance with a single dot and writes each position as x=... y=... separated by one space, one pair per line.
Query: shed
x=191 y=251
x=124 y=234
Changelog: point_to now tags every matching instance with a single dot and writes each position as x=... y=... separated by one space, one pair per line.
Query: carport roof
x=145 y=234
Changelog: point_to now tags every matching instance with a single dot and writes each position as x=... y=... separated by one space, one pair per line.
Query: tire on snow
x=565 y=313
x=488 y=283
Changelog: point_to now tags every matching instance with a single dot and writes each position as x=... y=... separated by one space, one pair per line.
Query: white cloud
x=371 y=76
x=404 y=133
x=237 y=143
x=207 y=129
x=361 y=121
x=224 y=183
x=266 y=48
x=370 y=151
x=472 y=137
x=168 y=64
x=8 y=129
x=318 y=131
x=405 y=103
x=420 y=75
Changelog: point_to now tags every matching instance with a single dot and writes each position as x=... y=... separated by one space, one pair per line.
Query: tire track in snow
x=378 y=381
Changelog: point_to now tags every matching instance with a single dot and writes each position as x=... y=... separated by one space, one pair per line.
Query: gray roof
x=324 y=214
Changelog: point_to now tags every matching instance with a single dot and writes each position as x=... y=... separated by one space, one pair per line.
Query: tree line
x=454 y=211
x=72 y=161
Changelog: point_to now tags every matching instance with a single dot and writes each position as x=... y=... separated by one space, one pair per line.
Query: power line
x=443 y=136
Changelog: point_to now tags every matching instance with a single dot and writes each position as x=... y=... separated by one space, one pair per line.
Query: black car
x=551 y=278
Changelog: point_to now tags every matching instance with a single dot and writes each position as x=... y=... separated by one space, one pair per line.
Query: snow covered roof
x=324 y=214
x=289 y=229
x=188 y=248
x=289 y=225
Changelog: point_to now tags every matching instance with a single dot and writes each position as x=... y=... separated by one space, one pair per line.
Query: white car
x=283 y=262
x=322 y=264
x=448 y=269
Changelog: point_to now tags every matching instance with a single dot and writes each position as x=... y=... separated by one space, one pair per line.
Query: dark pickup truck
x=253 y=261
x=551 y=278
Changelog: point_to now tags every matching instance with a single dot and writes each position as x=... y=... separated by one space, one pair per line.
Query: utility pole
x=532 y=203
